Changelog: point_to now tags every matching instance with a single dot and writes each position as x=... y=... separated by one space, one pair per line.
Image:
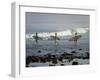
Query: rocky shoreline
x=54 y=59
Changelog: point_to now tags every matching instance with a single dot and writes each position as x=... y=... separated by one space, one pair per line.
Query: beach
x=47 y=54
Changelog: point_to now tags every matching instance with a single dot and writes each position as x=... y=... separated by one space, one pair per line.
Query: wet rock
x=62 y=64
x=75 y=63
x=35 y=59
x=73 y=52
x=43 y=59
x=49 y=60
x=80 y=49
x=70 y=59
x=29 y=58
x=39 y=51
x=28 y=61
x=65 y=53
x=54 y=61
x=49 y=55
x=87 y=55
x=51 y=65
x=60 y=59
x=54 y=56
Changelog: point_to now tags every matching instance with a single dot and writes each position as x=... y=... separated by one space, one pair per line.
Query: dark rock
x=75 y=63
x=53 y=55
x=43 y=59
x=28 y=60
x=73 y=52
x=60 y=59
x=35 y=59
x=54 y=61
x=65 y=53
x=70 y=59
x=49 y=55
x=51 y=65
x=39 y=51
x=80 y=49
x=49 y=60
x=62 y=64
x=88 y=55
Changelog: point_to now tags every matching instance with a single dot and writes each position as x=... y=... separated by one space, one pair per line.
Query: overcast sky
x=47 y=22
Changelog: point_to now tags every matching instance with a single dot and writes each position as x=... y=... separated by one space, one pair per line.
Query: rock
x=43 y=59
x=39 y=51
x=62 y=64
x=54 y=56
x=74 y=63
x=35 y=59
x=60 y=59
x=65 y=53
x=73 y=52
x=80 y=49
x=70 y=59
x=28 y=61
x=54 y=61
x=87 y=53
x=49 y=55
x=51 y=65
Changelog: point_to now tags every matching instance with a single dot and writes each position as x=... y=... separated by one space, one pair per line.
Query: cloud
x=50 y=22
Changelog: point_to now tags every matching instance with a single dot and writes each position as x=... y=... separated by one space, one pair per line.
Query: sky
x=51 y=22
